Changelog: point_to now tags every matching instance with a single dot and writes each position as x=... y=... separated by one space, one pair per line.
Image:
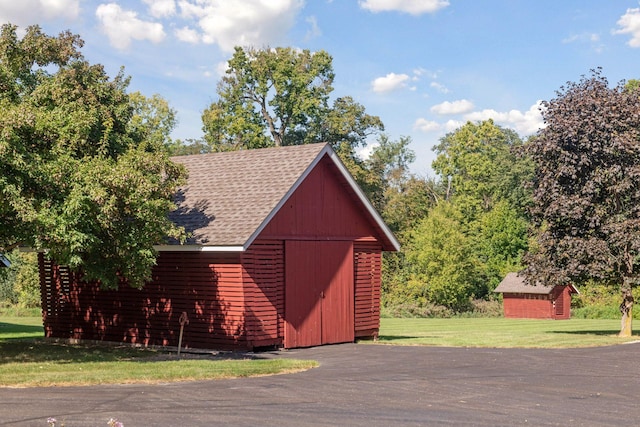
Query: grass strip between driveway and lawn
x=501 y=332
x=27 y=360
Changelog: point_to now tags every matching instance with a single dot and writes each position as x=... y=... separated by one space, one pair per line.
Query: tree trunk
x=626 y=308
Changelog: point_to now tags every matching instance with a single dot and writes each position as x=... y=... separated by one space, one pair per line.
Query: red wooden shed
x=285 y=251
x=521 y=300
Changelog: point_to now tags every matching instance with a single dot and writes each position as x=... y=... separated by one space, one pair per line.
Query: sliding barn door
x=319 y=302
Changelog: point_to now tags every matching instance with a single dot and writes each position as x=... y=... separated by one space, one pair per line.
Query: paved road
x=370 y=385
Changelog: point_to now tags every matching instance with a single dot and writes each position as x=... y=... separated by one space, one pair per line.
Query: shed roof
x=513 y=283
x=231 y=196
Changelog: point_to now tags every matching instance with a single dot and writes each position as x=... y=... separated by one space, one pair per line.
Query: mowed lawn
x=501 y=332
x=27 y=360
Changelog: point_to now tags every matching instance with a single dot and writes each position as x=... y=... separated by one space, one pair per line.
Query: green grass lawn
x=501 y=332
x=27 y=360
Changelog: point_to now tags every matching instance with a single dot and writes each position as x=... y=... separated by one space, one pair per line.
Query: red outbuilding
x=521 y=300
x=284 y=251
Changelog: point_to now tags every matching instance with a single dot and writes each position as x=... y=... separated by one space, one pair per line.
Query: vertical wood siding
x=319 y=293
x=322 y=207
x=562 y=306
x=367 y=266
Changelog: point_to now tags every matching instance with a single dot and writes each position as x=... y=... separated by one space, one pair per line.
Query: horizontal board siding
x=367 y=269
x=264 y=292
x=54 y=289
x=208 y=287
x=527 y=306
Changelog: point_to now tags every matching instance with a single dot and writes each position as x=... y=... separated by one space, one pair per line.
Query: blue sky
x=425 y=67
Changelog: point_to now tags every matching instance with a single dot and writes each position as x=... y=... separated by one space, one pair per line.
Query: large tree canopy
x=280 y=96
x=587 y=188
x=78 y=178
x=480 y=163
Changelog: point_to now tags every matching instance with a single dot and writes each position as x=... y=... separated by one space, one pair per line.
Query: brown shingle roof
x=515 y=284
x=229 y=197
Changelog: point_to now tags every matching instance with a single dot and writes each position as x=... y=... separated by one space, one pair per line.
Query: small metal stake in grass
x=184 y=320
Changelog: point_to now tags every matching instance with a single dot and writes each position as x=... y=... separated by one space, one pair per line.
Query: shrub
x=599 y=301
x=412 y=309
x=20 y=283
x=486 y=308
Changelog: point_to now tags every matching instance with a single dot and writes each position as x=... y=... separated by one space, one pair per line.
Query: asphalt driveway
x=369 y=385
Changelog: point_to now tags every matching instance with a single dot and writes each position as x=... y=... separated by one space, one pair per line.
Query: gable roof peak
x=230 y=197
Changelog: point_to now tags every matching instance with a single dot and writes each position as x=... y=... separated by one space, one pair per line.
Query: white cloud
x=591 y=38
x=425 y=125
x=222 y=67
x=391 y=81
x=365 y=152
x=414 y=7
x=247 y=23
x=584 y=37
x=188 y=35
x=421 y=72
x=122 y=26
x=439 y=87
x=452 y=125
x=29 y=12
x=456 y=107
x=630 y=24
x=526 y=123
x=161 y=8
x=314 y=30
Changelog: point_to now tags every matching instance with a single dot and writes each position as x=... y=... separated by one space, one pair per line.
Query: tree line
x=86 y=173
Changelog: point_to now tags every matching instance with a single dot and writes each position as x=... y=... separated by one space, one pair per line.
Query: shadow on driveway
x=369 y=385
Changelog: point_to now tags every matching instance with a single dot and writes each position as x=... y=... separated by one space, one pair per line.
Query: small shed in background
x=285 y=251
x=521 y=300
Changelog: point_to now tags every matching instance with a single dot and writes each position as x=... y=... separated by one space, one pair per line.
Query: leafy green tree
x=500 y=239
x=280 y=96
x=587 y=189
x=441 y=257
x=632 y=84
x=187 y=147
x=153 y=119
x=480 y=164
x=486 y=174
x=404 y=200
x=77 y=177
x=407 y=205
x=27 y=281
x=346 y=122
x=391 y=160
x=8 y=294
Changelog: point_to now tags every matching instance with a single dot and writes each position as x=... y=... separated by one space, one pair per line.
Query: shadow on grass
x=598 y=332
x=40 y=351
x=401 y=337
x=35 y=351
x=13 y=328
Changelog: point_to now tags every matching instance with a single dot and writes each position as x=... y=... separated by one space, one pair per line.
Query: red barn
x=284 y=251
x=534 y=301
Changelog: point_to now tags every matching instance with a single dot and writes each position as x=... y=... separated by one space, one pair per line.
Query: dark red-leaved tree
x=587 y=189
